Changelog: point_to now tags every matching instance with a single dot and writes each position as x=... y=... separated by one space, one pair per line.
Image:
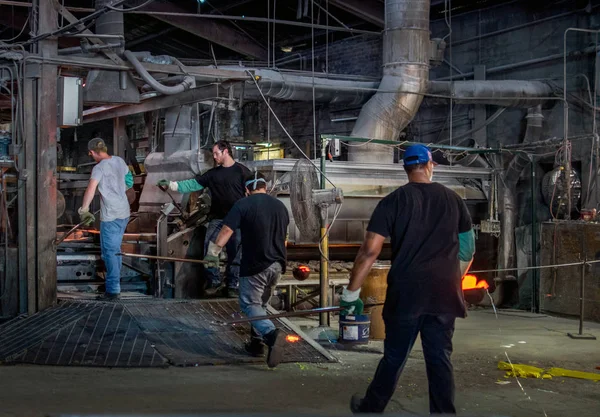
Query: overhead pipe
x=187 y=83
x=506 y=93
x=279 y=86
x=405 y=70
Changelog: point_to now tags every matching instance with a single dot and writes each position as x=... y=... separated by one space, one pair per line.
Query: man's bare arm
x=224 y=236
x=89 y=194
x=367 y=255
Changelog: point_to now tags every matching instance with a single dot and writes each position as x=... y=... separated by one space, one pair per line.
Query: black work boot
x=276 y=343
x=356 y=403
x=107 y=296
x=255 y=346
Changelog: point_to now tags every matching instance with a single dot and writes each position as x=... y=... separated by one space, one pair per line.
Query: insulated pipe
x=187 y=83
x=405 y=70
x=508 y=202
x=506 y=93
x=281 y=86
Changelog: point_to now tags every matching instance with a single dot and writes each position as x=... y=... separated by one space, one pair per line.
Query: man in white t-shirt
x=112 y=177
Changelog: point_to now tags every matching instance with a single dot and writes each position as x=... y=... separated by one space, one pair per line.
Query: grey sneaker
x=276 y=343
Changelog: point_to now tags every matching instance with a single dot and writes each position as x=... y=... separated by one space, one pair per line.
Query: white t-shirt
x=110 y=174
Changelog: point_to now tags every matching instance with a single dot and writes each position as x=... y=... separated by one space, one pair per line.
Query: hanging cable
x=285 y=130
x=20 y=33
x=314 y=105
x=130 y=9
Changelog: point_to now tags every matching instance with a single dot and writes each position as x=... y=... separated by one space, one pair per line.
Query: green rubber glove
x=87 y=218
x=351 y=303
x=212 y=261
x=128 y=180
x=163 y=183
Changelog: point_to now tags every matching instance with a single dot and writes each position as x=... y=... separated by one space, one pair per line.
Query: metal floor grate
x=137 y=334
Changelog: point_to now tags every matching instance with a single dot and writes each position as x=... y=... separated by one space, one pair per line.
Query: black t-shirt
x=226 y=186
x=263 y=221
x=423 y=221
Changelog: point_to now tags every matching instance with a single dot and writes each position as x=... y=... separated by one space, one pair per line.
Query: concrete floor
x=326 y=389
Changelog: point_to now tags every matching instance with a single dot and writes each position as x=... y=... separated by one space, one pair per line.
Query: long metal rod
x=323 y=310
x=256 y=19
x=535 y=294
x=162 y=258
x=407 y=143
x=324 y=249
x=582 y=295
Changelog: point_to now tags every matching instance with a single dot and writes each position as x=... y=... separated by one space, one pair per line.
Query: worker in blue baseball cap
x=432 y=245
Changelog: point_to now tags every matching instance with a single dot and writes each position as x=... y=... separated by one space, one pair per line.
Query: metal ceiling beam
x=210 y=30
x=371 y=11
x=148 y=37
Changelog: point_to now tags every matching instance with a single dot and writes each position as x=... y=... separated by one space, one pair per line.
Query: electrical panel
x=70 y=101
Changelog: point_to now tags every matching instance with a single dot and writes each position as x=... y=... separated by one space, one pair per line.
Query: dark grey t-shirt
x=110 y=174
x=263 y=221
x=423 y=221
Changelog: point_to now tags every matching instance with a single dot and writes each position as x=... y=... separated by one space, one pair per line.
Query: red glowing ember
x=469 y=282
x=292 y=338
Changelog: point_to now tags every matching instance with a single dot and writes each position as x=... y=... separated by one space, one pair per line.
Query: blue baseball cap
x=417 y=154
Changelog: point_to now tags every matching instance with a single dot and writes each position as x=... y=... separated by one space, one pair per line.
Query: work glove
x=212 y=255
x=212 y=261
x=86 y=217
x=350 y=302
x=171 y=185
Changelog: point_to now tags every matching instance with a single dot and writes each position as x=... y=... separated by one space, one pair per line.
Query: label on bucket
x=350 y=332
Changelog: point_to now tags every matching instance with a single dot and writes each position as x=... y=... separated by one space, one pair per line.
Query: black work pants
x=400 y=335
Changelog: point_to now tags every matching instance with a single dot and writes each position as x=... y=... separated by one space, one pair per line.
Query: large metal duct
x=506 y=93
x=180 y=160
x=508 y=201
x=177 y=133
x=405 y=75
x=279 y=86
x=110 y=86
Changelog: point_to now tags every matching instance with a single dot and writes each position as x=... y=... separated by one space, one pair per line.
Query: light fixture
x=265 y=144
x=287 y=49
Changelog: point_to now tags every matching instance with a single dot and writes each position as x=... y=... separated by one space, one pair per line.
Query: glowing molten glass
x=469 y=282
x=292 y=338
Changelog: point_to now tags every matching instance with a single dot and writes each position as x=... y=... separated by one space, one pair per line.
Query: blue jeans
x=233 y=248
x=111 y=237
x=255 y=293
x=400 y=335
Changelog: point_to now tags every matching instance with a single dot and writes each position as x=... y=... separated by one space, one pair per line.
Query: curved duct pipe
x=187 y=83
x=508 y=201
x=405 y=70
x=506 y=93
x=175 y=79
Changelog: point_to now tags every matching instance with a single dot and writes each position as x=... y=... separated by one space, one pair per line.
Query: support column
x=28 y=173
x=119 y=133
x=479 y=111
x=46 y=158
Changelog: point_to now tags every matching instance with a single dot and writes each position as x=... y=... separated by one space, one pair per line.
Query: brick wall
x=357 y=55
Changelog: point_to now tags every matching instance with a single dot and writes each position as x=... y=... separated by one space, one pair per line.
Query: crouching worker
x=263 y=221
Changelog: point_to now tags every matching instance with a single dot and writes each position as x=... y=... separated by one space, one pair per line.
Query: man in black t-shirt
x=432 y=248
x=263 y=221
x=226 y=185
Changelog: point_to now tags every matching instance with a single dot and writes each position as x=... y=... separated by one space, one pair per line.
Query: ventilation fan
x=309 y=203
